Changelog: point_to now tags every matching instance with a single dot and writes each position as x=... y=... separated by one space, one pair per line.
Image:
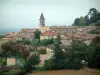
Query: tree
x=82 y=21
x=27 y=42
x=95 y=40
x=37 y=34
x=94 y=57
x=87 y=21
x=77 y=22
x=32 y=60
x=67 y=59
x=6 y=49
x=94 y=16
x=47 y=42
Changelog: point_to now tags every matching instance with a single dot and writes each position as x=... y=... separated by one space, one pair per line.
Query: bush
x=49 y=64
x=94 y=32
x=68 y=59
x=26 y=42
x=42 y=51
x=46 y=42
x=32 y=60
x=12 y=72
x=74 y=64
x=2 y=61
x=94 y=60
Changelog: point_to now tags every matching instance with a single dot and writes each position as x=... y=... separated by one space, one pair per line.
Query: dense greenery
x=32 y=61
x=71 y=58
x=92 y=18
x=1 y=36
x=67 y=58
x=94 y=56
x=46 y=42
x=94 y=32
x=14 y=49
x=42 y=51
x=2 y=61
x=37 y=34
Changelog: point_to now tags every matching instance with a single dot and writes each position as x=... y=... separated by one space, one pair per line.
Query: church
x=62 y=29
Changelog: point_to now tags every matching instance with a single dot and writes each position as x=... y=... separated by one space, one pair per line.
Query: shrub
x=12 y=72
x=2 y=61
x=42 y=51
x=94 y=60
x=94 y=32
x=47 y=42
x=49 y=64
x=32 y=60
x=68 y=59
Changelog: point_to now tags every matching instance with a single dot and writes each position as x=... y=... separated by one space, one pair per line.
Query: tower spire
x=42 y=20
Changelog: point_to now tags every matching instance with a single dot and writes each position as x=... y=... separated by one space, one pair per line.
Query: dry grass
x=84 y=71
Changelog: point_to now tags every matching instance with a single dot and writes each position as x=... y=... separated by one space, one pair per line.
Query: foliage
x=95 y=40
x=57 y=40
x=82 y=21
x=2 y=61
x=32 y=61
x=94 y=56
x=12 y=72
x=19 y=42
x=92 y=18
x=6 y=49
x=35 y=42
x=1 y=36
x=49 y=64
x=68 y=58
x=10 y=49
x=25 y=54
x=26 y=42
x=94 y=32
x=37 y=34
x=46 y=42
x=42 y=51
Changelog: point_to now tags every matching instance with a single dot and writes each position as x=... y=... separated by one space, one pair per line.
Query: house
x=48 y=35
x=11 y=35
x=11 y=61
x=26 y=34
x=47 y=56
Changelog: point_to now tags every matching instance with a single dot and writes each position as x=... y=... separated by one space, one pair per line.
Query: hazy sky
x=26 y=13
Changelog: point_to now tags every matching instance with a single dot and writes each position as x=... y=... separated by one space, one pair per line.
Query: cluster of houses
x=67 y=34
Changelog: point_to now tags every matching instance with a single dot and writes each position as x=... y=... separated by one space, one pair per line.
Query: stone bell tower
x=42 y=21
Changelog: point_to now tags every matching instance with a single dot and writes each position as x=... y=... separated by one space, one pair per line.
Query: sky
x=17 y=14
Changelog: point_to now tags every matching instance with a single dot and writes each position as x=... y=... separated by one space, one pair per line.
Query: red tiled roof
x=49 y=33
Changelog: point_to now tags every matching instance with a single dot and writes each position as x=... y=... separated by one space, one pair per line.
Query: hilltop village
x=66 y=33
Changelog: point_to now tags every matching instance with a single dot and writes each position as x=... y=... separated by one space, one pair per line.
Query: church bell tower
x=42 y=21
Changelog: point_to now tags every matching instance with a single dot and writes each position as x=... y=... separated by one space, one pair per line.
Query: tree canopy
x=91 y=18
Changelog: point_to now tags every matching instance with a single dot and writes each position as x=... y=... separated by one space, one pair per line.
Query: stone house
x=48 y=35
x=11 y=61
x=26 y=34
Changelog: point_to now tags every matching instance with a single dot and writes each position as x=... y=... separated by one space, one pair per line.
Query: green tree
x=47 y=42
x=32 y=60
x=95 y=40
x=94 y=16
x=37 y=34
x=82 y=21
x=77 y=22
x=6 y=49
x=94 y=57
